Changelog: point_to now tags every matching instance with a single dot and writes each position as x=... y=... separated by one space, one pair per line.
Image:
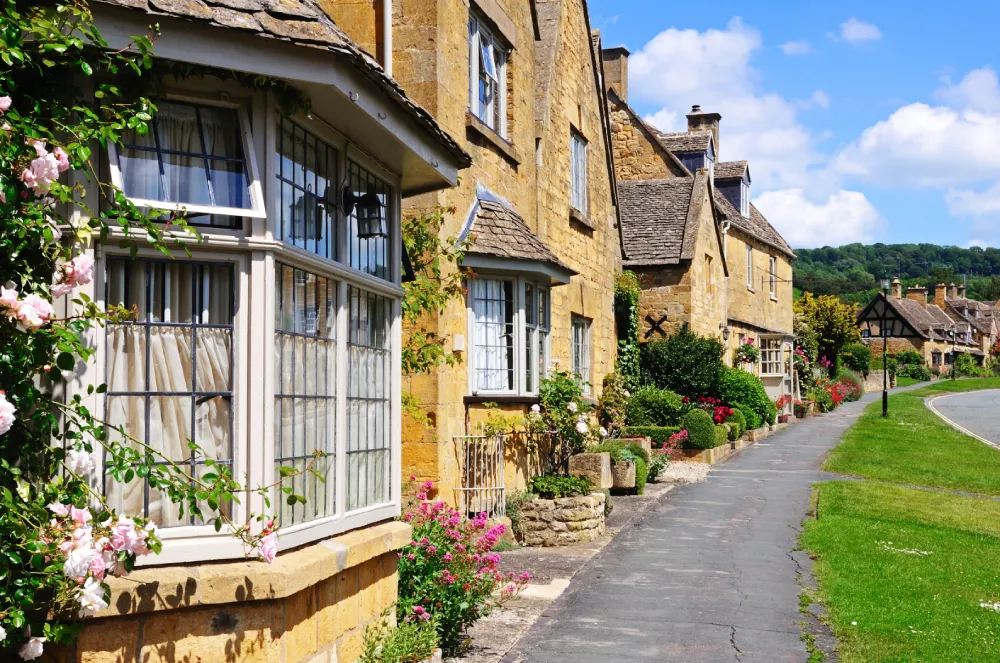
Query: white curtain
x=493 y=328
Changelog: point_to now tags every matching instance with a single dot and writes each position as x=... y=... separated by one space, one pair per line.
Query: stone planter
x=595 y=468
x=563 y=521
x=436 y=657
x=623 y=474
x=758 y=434
x=708 y=456
x=645 y=442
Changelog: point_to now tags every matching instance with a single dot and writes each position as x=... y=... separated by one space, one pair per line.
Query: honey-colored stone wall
x=638 y=156
x=431 y=62
x=310 y=605
x=360 y=19
x=755 y=306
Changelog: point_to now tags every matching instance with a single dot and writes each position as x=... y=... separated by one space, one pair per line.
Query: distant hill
x=852 y=271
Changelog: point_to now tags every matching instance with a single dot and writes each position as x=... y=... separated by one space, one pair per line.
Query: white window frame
x=773 y=277
x=745 y=198
x=483 y=42
x=771 y=356
x=539 y=355
x=750 y=268
x=580 y=347
x=258 y=208
x=253 y=408
x=578 y=162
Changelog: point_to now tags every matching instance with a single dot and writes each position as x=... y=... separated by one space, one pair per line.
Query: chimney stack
x=616 y=69
x=698 y=120
x=952 y=291
x=897 y=289
x=961 y=292
x=939 y=295
x=917 y=293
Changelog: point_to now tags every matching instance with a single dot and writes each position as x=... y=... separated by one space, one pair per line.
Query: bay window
x=510 y=327
x=270 y=355
x=771 y=356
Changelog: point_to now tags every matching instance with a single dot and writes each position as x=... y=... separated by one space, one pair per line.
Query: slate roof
x=730 y=170
x=654 y=219
x=500 y=232
x=916 y=315
x=303 y=23
x=988 y=313
x=689 y=141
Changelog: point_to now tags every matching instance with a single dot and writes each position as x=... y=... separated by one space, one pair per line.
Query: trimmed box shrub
x=739 y=423
x=700 y=428
x=721 y=434
x=658 y=434
x=652 y=406
x=740 y=389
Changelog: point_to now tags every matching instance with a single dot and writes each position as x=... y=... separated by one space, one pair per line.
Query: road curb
x=929 y=402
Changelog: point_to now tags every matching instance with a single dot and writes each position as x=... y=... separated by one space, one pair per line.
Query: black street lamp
x=883 y=328
x=951 y=335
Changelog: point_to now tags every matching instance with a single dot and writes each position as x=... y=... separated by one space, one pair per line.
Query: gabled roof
x=755 y=225
x=501 y=232
x=303 y=23
x=730 y=170
x=984 y=324
x=655 y=220
x=689 y=141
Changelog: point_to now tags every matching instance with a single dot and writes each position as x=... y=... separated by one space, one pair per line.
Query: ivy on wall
x=627 y=323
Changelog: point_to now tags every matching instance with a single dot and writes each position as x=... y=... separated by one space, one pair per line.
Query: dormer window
x=745 y=197
x=710 y=161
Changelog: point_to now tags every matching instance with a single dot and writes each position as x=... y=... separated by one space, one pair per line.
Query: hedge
x=658 y=434
x=721 y=434
x=740 y=389
x=700 y=428
x=683 y=362
x=652 y=406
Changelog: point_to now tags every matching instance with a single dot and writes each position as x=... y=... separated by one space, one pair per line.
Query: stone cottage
x=520 y=82
x=705 y=255
x=278 y=337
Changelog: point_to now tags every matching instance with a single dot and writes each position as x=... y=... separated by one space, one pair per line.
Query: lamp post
x=886 y=284
x=951 y=335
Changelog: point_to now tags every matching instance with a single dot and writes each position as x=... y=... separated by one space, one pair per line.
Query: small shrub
x=410 y=642
x=672 y=447
x=657 y=464
x=552 y=486
x=658 y=434
x=641 y=467
x=855 y=385
x=914 y=371
x=738 y=421
x=683 y=362
x=652 y=406
x=721 y=435
x=966 y=365
x=619 y=447
x=856 y=357
x=700 y=429
x=612 y=406
x=745 y=391
x=822 y=398
x=512 y=506
x=909 y=358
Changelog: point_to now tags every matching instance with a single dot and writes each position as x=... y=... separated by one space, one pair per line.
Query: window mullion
x=343 y=337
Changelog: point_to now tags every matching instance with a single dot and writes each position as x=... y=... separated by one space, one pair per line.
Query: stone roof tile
x=730 y=170
x=654 y=218
x=689 y=141
x=499 y=231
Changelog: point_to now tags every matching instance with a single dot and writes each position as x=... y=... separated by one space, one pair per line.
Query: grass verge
x=903 y=572
x=912 y=445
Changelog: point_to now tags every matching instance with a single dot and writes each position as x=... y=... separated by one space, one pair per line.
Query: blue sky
x=862 y=121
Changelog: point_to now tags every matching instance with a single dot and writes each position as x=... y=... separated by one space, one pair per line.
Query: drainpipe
x=387 y=37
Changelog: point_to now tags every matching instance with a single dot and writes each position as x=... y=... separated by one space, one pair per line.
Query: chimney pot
x=701 y=121
x=696 y=108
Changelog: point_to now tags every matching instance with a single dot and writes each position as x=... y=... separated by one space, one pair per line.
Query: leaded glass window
x=371 y=255
x=306 y=193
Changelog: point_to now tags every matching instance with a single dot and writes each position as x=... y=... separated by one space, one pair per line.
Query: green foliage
x=613 y=404
x=657 y=464
x=857 y=357
x=658 y=434
x=409 y=642
x=745 y=391
x=700 y=428
x=833 y=322
x=851 y=378
x=806 y=337
x=620 y=450
x=909 y=357
x=739 y=423
x=683 y=362
x=917 y=372
x=439 y=280
x=627 y=294
x=552 y=486
x=652 y=406
x=562 y=409
x=641 y=476
x=512 y=507
x=721 y=434
x=822 y=398
x=966 y=366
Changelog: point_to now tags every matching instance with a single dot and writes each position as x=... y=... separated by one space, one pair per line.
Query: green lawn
x=903 y=571
x=912 y=445
x=906 y=382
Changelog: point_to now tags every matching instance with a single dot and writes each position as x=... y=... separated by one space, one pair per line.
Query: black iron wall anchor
x=654 y=326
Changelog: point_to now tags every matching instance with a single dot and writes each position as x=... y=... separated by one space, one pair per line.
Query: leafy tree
x=834 y=323
x=683 y=362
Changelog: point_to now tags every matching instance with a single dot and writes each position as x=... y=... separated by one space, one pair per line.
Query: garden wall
x=563 y=521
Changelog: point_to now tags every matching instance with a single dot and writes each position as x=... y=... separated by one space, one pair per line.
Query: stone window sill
x=773 y=298
x=167 y=588
x=751 y=290
x=501 y=399
x=581 y=218
x=480 y=129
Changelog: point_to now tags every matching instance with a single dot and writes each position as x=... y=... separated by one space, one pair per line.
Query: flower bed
x=563 y=521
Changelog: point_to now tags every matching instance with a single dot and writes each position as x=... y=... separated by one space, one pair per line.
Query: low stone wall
x=873 y=383
x=563 y=521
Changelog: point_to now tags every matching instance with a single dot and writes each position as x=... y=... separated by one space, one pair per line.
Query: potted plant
x=747 y=353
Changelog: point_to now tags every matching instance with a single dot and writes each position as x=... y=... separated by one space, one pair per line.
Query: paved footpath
x=705 y=576
x=978 y=411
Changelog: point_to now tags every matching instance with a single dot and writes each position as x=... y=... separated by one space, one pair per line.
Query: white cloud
x=796 y=47
x=855 y=32
x=843 y=217
x=920 y=145
x=667 y=121
x=968 y=203
x=976 y=242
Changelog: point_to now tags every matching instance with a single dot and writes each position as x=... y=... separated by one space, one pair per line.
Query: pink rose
x=80 y=516
x=5 y=103
x=38 y=144
x=7 y=411
x=28 y=178
x=62 y=159
x=60 y=289
x=269 y=547
x=33 y=312
x=59 y=509
x=8 y=297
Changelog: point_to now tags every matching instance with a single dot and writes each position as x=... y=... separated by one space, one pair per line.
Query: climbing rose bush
x=63 y=97
x=449 y=572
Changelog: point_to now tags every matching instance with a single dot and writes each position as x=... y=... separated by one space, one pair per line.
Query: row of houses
x=280 y=335
x=938 y=325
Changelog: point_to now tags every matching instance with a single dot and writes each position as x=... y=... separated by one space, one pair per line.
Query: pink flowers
x=77 y=272
x=30 y=313
x=6 y=413
x=80 y=462
x=267 y=550
x=44 y=168
x=5 y=103
x=32 y=649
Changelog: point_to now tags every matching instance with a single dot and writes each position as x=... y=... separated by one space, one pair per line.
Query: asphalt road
x=978 y=411
x=705 y=576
